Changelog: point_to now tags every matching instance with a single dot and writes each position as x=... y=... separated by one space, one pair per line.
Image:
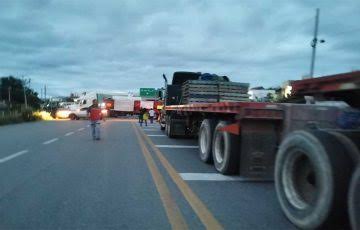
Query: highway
x=54 y=176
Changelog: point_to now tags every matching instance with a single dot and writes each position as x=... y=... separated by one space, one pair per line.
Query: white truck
x=79 y=108
x=123 y=105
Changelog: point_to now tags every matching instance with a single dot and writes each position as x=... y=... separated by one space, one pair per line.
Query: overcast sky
x=82 y=45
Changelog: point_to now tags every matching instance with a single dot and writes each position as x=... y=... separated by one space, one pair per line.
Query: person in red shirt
x=95 y=115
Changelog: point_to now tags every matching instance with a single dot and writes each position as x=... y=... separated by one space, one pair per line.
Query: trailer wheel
x=167 y=128
x=72 y=117
x=225 y=150
x=349 y=141
x=162 y=127
x=169 y=123
x=312 y=174
x=354 y=200
x=205 y=140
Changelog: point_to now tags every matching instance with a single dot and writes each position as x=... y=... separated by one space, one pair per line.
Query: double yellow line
x=173 y=212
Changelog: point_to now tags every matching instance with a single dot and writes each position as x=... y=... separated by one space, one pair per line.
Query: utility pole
x=44 y=92
x=9 y=95
x=24 y=87
x=314 y=43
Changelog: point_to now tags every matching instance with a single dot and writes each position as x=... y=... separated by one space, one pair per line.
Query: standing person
x=141 y=116
x=151 y=115
x=146 y=117
x=95 y=115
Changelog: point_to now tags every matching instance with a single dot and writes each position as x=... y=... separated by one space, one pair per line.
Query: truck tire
x=312 y=174
x=225 y=150
x=169 y=133
x=167 y=128
x=354 y=200
x=349 y=140
x=73 y=117
x=162 y=127
x=205 y=140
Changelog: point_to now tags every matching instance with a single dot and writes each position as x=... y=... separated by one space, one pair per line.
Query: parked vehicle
x=121 y=106
x=309 y=150
x=62 y=113
x=80 y=107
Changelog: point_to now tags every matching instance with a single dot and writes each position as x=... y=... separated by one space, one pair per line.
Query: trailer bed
x=221 y=107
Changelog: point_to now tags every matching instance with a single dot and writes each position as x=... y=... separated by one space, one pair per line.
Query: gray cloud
x=124 y=45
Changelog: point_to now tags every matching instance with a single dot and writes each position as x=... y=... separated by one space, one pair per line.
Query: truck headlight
x=63 y=114
x=104 y=111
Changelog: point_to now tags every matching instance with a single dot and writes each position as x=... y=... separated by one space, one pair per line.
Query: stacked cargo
x=202 y=91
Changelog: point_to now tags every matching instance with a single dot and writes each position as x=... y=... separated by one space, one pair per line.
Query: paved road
x=53 y=176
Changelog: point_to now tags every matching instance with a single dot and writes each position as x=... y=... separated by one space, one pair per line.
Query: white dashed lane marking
x=213 y=177
x=178 y=146
x=69 y=133
x=208 y=177
x=156 y=135
x=2 y=160
x=50 y=141
x=81 y=129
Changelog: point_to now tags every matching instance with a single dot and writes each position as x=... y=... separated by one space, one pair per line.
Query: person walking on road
x=95 y=115
x=141 y=116
x=151 y=115
x=146 y=116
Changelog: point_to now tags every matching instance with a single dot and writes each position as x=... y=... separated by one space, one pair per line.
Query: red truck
x=114 y=106
x=311 y=151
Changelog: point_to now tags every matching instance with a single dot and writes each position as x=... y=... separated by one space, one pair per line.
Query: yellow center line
x=172 y=210
x=206 y=217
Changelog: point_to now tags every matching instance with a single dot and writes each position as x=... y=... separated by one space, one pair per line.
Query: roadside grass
x=16 y=117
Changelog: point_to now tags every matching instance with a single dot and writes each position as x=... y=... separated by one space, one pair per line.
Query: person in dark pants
x=151 y=115
x=95 y=115
x=146 y=117
x=141 y=116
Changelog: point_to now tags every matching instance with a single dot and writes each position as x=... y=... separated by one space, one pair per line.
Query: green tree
x=15 y=87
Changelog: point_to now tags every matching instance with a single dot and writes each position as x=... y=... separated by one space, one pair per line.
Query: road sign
x=147 y=92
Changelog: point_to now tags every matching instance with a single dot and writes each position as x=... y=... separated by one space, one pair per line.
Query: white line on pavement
x=209 y=177
x=50 y=141
x=156 y=135
x=81 y=129
x=216 y=177
x=69 y=133
x=151 y=130
x=2 y=160
x=178 y=146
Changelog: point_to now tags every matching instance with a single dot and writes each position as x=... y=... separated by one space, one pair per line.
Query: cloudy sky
x=118 y=45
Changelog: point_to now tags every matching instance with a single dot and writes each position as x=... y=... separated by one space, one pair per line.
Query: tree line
x=12 y=93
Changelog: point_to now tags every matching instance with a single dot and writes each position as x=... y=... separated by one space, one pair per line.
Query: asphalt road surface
x=54 y=176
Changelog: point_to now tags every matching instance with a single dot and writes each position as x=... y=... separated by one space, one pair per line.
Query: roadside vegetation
x=13 y=94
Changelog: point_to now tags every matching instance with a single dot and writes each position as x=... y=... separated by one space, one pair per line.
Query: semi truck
x=79 y=108
x=121 y=106
x=310 y=151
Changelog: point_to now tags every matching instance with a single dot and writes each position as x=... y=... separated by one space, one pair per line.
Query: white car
x=62 y=113
x=78 y=113
x=82 y=113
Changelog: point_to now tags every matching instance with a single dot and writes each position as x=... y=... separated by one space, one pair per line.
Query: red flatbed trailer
x=222 y=107
x=327 y=84
x=311 y=151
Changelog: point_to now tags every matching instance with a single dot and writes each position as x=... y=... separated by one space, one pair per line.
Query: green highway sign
x=148 y=92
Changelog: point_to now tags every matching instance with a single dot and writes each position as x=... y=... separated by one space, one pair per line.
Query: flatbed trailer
x=311 y=152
